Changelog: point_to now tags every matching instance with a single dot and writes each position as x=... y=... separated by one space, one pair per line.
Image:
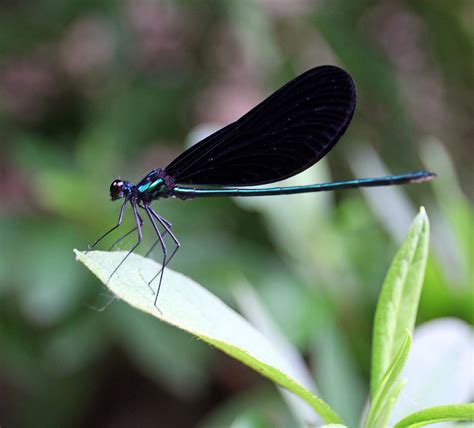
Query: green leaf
x=190 y=307
x=398 y=302
x=389 y=388
x=432 y=415
x=383 y=415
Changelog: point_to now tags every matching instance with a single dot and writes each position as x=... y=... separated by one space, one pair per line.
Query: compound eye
x=116 y=189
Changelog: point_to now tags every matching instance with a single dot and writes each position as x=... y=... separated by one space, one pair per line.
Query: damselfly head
x=120 y=189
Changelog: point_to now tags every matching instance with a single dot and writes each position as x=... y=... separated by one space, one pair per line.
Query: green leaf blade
x=190 y=307
x=432 y=415
x=398 y=302
x=389 y=388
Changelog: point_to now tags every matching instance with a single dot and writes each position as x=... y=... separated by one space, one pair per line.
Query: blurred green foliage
x=93 y=90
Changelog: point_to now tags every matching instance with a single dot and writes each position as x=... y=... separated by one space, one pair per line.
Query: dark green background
x=93 y=90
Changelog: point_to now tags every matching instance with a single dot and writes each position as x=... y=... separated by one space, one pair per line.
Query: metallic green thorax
x=157 y=184
x=152 y=186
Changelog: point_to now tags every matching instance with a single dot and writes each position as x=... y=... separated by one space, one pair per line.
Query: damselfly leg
x=167 y=227
x=163 y=248
x=138 y=223
x=119 y=240
x=119 y=222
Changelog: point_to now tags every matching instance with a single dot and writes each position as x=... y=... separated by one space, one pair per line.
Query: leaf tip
x=421 y=221
x=422 y=215
x=78 y=254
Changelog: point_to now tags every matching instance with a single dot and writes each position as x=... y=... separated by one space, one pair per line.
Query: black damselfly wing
x=282 y=136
